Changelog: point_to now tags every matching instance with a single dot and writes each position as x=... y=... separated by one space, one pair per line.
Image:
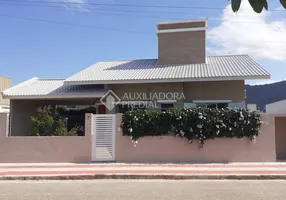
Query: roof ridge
x=128 y=60
x=51 y=79
x=228 y=55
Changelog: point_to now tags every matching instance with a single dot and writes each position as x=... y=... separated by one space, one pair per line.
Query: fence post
x=4 y=123
x=88 y=121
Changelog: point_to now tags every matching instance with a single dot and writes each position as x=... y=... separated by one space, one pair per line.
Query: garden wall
x=44 y=149
x=176 y=149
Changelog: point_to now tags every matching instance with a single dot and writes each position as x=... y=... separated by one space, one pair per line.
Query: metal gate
x=103 y=137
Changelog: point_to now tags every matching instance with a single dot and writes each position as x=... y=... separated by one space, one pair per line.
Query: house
x=278 y=107
x=5 y=83
x=182 y=74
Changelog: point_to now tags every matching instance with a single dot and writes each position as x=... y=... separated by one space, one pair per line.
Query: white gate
x=103 y=137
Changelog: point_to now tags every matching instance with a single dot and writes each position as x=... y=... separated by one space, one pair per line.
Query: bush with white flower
x=200 y=124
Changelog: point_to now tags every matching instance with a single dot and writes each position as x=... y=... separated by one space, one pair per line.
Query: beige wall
x=22 y=110
x=5 y=83
x=172 y=149
x=44 y=149
x=183 y=47
x=206 y=90
x=280 y=131
x=215 y=90
x=149 y=149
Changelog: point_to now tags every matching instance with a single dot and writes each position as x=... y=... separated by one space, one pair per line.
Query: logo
x=110 y=100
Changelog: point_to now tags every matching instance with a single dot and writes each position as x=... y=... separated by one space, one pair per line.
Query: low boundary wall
x=149 y=149
x=175 y=149
x=44 y=149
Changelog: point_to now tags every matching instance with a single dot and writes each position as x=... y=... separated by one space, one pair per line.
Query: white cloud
x=267 y=82
x=246 y=32
x=75 y=5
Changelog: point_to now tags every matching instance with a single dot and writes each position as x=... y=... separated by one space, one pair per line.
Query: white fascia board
x=132 y=102
x=181 y=30
x=212 y=101
x=55 y=96
x=166 y=101
x=183 y=21
x=165 y=80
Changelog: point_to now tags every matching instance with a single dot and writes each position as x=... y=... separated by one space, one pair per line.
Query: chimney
x=182 y=42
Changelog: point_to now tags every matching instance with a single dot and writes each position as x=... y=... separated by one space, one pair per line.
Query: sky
x=57 y=40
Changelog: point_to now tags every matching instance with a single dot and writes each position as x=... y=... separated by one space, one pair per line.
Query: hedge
x=199 y=124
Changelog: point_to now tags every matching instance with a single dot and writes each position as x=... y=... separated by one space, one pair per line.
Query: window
x=129 y=106
x=167 y=106
x=123 y=108
x=212 y=105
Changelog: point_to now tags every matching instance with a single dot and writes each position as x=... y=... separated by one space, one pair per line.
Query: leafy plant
x=257 y=5
x=43 y=122
x=199 y=124
x=47 y=124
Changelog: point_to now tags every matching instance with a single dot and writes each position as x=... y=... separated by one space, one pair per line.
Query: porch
x=72 y=109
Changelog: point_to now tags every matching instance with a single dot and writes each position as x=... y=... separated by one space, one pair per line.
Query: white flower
x=179 y=118
x=200 y=117
x=131 y=137
x=217 y=126
x=191 y=130
x=199 y=126
x=230 y=128
x=182 y=133
x=130 y=130
x=254 y=139
x=217 y=132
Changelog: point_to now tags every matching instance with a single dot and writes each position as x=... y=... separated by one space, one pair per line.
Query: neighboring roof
x=236 y=67
x=52 y=88
x=5 y=77
x=278 y=107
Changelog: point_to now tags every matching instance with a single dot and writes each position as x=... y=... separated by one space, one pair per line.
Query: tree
x=257 y=5
x=45 y=123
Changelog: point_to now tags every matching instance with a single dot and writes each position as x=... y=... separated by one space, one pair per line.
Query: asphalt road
x=143 y=190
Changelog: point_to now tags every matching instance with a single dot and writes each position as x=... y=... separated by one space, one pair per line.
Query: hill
x=265 y=94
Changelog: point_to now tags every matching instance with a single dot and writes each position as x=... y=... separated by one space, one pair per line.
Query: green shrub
x=47 y=124
x=43 y=122
x=194 y=124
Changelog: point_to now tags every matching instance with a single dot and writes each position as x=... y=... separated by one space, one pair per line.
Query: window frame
x=168 y=108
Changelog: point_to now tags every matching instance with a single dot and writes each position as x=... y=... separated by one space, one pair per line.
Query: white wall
x=4 y=109
x=278 y=107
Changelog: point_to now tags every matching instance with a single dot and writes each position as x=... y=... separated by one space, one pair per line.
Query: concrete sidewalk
x=64 y=171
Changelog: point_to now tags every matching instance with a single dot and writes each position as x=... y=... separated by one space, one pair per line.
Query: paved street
x=142 y=190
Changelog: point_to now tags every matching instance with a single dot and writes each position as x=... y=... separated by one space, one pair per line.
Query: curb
x=146 y=177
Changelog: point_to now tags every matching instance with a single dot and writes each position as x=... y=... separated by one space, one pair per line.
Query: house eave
x=53 y=97
x=174 y=80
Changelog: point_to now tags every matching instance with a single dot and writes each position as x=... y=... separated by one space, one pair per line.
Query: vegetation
x=199 y=124
x=257 y=5
x=47 y=124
